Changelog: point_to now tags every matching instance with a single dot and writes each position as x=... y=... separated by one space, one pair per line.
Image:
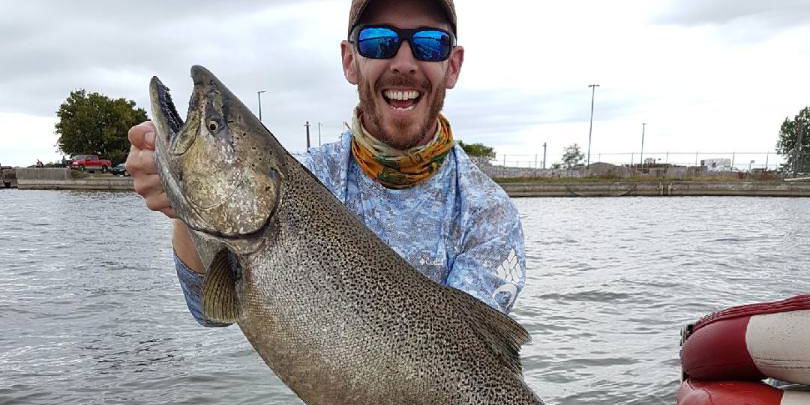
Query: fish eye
x=213 y=125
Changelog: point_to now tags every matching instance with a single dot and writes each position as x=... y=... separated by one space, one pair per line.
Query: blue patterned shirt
x=458 y=228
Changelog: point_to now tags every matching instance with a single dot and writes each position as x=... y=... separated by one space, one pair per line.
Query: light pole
x=259 y=94
x=544 y=154
x=590 y=130
x=643 y=129
x=307 y=125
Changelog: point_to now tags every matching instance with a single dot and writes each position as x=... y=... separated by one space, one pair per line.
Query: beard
x=400 y=134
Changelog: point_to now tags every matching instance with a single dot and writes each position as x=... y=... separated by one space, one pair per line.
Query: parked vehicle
x=90 y=163
x=119 y=170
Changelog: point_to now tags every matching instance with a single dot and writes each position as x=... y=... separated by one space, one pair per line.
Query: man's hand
x=141 y=166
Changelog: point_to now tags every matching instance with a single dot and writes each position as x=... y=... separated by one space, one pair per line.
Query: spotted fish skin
x=332 y=310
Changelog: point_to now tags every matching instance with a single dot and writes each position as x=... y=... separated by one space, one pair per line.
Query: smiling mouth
x=402 y=100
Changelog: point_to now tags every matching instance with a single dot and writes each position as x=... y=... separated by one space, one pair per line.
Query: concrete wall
x=664 y=188
x=8 y=177
x=101 y=184
x=44 y=173
x=67 y=179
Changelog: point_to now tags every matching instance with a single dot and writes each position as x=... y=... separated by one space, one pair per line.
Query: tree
x=95 y=124
x=788 y=137
x=572 y=156
x=477 y=149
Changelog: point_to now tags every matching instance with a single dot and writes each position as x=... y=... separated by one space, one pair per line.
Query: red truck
x=90 y=163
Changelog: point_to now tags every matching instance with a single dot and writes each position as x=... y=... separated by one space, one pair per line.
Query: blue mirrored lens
x=378 y=43
x=384 y=42
x=431 y=45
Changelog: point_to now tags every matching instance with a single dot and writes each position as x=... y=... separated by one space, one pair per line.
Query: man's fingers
x=148 y=186
x=158 y=202
x=141 y=162
x=142 y=136
x=169 y=212
x=141 y=165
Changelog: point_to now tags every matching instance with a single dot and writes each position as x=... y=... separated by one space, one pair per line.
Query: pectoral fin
x=219 y=300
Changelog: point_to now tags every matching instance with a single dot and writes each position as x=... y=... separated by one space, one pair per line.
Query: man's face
x=410 y=122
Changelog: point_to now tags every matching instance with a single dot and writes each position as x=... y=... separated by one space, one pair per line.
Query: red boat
x=725 y=355
x=693 y=392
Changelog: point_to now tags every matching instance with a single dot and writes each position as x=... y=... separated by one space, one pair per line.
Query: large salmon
x=334 y=312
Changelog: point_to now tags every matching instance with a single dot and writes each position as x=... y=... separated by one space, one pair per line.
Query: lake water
x=92 y=313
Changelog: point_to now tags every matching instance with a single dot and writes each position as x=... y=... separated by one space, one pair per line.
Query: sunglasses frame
x=404 y=34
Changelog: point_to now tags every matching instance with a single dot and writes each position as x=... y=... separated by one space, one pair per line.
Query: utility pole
x=590 y=130
x=319 y=134
x=307 y=125
x=259 y=94
x=544 y=155
x=643 y=129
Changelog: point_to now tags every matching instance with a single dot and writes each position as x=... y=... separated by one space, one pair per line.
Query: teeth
x=402 y=95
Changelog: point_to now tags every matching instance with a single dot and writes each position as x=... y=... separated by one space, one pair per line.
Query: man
x=398 y=169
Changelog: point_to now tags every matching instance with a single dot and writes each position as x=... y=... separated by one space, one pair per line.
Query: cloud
x=116 y=47
x=779 y=14
x=703 y=74
x=490 y=113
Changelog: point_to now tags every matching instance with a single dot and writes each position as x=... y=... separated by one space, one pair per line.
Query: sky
x=706 y=76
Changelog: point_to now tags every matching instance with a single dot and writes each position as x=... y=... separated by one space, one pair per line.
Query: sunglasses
x=383 y=42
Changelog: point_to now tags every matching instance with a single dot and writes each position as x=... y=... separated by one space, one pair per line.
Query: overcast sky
x=709 y=76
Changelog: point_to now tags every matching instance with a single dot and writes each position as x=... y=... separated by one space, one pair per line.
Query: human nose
x=404 y=61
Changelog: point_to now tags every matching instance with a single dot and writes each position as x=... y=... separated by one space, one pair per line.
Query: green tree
x=95 y=124
x=572 y=156
x=477 y=149
x=788 y=137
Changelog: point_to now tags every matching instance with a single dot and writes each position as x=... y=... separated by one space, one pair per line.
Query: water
x=92 y=313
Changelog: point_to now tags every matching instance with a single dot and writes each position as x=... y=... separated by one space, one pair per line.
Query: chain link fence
x=713 y=161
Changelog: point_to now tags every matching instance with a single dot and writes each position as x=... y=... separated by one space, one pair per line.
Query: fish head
x=219 y=168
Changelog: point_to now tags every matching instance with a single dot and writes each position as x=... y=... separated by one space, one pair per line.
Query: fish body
x=332 y=310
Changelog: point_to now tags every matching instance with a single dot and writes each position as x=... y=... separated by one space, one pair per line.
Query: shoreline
x=66 y=179
x=661 y=188
x=524 y=190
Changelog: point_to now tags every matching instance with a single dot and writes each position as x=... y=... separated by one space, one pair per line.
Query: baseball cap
x=358 y=6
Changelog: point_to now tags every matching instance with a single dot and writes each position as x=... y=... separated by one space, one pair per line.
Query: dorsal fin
x=502 y=333
x=219 y=300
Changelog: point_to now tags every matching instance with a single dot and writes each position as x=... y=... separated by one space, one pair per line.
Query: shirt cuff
x=191 y=283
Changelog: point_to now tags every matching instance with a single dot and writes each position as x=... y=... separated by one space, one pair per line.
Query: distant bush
x=477 y=149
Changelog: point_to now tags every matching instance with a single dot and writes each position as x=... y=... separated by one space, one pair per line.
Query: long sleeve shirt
x=458 y=228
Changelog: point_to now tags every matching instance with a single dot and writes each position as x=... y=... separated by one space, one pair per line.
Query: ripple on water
x=100 y=319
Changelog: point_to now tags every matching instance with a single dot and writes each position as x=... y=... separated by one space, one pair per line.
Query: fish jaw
x=214 y=166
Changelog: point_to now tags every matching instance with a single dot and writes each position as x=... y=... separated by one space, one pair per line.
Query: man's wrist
x=184 y=247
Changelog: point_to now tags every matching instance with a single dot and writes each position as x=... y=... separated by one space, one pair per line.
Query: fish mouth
x=174 y=138
x=167 y=109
